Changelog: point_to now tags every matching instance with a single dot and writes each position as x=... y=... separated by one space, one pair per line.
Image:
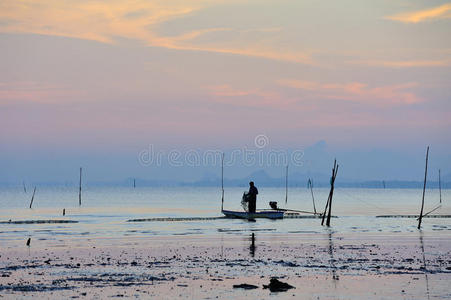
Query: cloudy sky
x=96 y=82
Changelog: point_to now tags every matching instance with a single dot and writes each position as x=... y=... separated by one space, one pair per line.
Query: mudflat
x=329 y=265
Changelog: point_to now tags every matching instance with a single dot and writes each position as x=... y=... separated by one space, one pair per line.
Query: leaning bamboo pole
x=327 y=205
x=310 y=184
x=332 y=194
x=32 y=197
x=329 y=199
x=424 y=189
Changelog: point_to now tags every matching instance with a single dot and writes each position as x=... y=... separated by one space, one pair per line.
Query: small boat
x=268 y=214
x=273 y=213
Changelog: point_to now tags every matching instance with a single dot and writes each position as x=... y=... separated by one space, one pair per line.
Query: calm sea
x=105 y=211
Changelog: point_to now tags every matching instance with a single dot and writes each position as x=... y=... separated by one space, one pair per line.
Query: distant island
x=261 y=177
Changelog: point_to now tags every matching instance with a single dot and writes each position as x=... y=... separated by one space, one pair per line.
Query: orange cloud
x=404 y=64
x=356 y=91
x=92 y=20
x=102 y=21
x=439 y=12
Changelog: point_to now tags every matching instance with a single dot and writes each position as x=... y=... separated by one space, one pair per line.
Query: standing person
x=252 y=194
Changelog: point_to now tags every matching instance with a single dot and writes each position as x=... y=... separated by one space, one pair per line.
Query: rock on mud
x=278 y=286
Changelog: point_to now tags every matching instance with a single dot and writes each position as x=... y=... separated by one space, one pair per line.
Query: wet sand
x=325 y=266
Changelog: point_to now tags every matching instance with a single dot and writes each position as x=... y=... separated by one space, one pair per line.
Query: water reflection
x=424 y=264
x=332 y=266
x=252 y=247
x=222 y=246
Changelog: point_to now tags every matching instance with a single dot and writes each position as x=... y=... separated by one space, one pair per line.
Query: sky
x=98 y=83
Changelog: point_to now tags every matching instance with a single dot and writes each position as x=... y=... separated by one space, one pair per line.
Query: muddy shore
x=328 y=266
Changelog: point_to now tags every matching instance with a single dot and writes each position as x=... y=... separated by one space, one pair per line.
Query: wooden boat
x=268 y=214
x=273 y=213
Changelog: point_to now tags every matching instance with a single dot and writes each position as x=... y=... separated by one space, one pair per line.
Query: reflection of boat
x=268 y=214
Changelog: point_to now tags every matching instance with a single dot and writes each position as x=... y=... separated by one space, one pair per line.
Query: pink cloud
x=33 y=91
x=249 y=97
x=357 y=91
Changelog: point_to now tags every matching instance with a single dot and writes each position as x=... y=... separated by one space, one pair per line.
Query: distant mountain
x=298 y=179
x=261 y=178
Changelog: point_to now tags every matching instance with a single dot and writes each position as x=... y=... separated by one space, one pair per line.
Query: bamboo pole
x=286 y=186
x=424 y=188
x=431 y=211
x=24 y=187
x=325 y=210
x=329 y=199
x=32 y=197
x=222 y=182
x=439 y=185
x=79 y=190
x=134 y=183
x=310 y=184
x=331 y=195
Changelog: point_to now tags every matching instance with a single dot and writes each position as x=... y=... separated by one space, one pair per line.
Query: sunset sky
x=84 y=80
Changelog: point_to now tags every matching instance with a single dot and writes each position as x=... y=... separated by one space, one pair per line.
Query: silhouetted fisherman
x=252 y=197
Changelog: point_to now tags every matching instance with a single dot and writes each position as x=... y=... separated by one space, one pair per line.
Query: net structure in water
x=175 y=219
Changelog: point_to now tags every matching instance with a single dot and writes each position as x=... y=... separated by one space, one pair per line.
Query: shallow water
x=105 y=211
